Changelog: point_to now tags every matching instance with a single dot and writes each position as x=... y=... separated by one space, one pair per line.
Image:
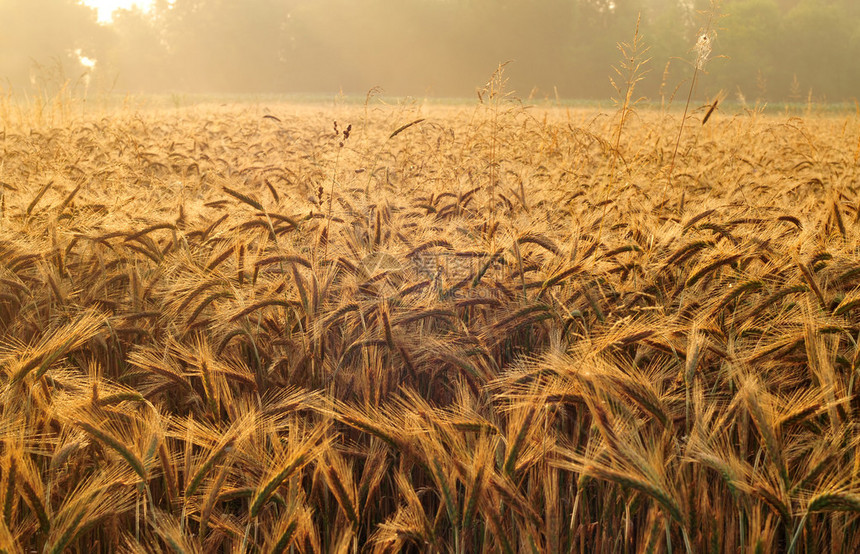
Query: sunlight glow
x=106 y=7
x=89 y=63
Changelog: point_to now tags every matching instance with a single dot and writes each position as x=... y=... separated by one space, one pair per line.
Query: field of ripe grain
x=404 y=328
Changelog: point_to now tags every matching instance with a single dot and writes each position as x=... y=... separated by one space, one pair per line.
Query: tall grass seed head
x=703 y=50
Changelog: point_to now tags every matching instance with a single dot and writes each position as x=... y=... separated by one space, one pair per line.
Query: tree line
x=770 y=50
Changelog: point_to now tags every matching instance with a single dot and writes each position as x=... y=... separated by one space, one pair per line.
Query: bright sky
x=106 y=7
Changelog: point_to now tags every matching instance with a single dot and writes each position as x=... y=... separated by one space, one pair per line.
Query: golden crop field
x=387 y=328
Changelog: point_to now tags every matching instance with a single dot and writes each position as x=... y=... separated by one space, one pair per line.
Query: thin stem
x=330 y=199
x=681 y=128
x=632 y=62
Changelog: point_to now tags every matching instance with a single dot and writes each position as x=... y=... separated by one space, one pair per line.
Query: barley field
x=411 y=328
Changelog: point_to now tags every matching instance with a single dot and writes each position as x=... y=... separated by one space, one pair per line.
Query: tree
x=750 y=39
x=223 y=45
x=42 y=41
x=816 y=49
x=138 y=58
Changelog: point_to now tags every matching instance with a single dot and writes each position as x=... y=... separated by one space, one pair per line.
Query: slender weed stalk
x=495 y=94
x=702 y=51
x=631 y=70
x=341 y=136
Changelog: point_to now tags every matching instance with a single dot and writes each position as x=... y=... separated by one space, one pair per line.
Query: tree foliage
x=764 y=49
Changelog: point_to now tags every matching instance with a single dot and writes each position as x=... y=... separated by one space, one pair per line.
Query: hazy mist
x=763 y=49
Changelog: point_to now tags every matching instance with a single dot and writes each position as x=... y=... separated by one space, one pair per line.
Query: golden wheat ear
x=288 y=531
x=61 y=339
x=8 y=541
x=104 y=495
x=297 y=454
x=410 y=525
x=170 y=531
